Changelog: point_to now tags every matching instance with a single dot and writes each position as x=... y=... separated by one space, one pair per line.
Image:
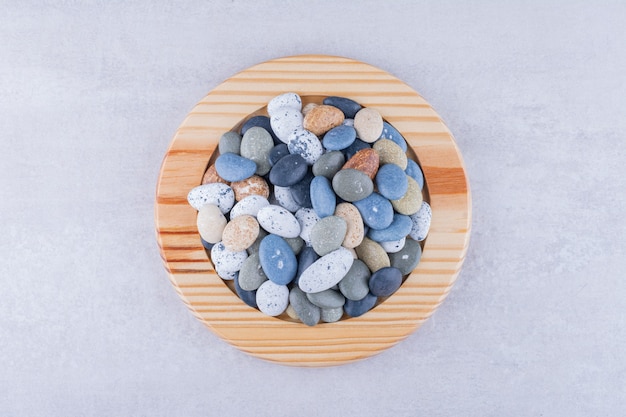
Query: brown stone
x=373 y=255
x=365 y=160
x=322 y=118
x=356 y=230
x=240 y=233
x=254 y=185
x=211 y=176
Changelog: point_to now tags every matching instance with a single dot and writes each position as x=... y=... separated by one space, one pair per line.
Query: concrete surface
x=90 y=96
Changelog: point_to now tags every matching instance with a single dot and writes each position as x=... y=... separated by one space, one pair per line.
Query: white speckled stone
x=249 y=206
x=226 y=275
x=393 y=246
x=285 y=199
x=279 y=221
x=288 y=100
x=326 y=271
x=305 y=144
x=421 y=222
x=226 y=260
x=307 y=218
x=215 y=193
x=284 y=122
x=272 y=298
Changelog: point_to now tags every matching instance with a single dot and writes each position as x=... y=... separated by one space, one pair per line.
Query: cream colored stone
x=368 y=124
x=211 y=223
x=240 y=233
x=411 y=202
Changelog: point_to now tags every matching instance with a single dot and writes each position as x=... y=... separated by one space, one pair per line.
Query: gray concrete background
x=90 y=96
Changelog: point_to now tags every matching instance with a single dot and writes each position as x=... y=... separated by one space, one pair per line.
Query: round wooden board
x=283 y=341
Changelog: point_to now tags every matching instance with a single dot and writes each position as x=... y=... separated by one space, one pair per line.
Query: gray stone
x=407 y=258
x=307 y=312
x=230 y=142
x=352 y=185
x=354 y=286
x=327 y=299
x=256 y=145
x=251 y=275
x=328 y=234
x=329 y=164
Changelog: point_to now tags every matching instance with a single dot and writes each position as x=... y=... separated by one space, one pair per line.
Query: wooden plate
x=276 y=339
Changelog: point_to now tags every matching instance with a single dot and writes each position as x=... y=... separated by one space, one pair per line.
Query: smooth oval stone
x=339 y=138
x=328 y=234
x=407 y=258
x=368 y=124
x=251 y=274
x=260 y=121
x=290 y=100
x=322 y=197
x=225 y=260
x=394 y=245
x=306 y=144
x=365 y=160
x=240 y=233
x=271 y=298
x=307 y=218
x=326 y=271
x=306 y=258
x=211 y=223
x=233 y=167
x=256 y=145
x=352 y=185
x=226 y=275
x=206 y=244
x=391 y=181
x=284 y=122
x=354 y=286
x=373 y=255
x=327 y=299
x=279 y=221
x=355 y=231
x=360 y=307
x=249 y=206
x=329 y=164
x=347 y=106
x=331 y=315
x=391 y=133
x=255 y=246
x=356 y=146
x=390 y=153
x=277 y=259
x=301 y=191
x=307 y=312
x=385 y=281
x=376 y=211
x=321 y=119
x=254 y=185
x=421 y=222
x=285 y=199
x=288 y=171
x=230 y=142
x=215 y=193
x=411 y=201
x=248 y=297
x=278 y=152
x=295 y=243
x=414 y=171
x=400 y=227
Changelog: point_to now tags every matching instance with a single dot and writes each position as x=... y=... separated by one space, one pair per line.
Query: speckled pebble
x=414 y=171
x=254 y=185
x=326 y=271
x=226 y=275
x=400 y=227
x=284 y=122
x=391 y=181
x=331 y=315
x=233 y=167
x=360 y=307
x=368 y=124
x=285 y=199
x=256 y=145
x=354 y=286
x=391 y=133
x=306 y=144
x=277 y=260
x=249 y=205
x=306 y=219
x=289 y=100
x=373 y=255
x=385 y=281
x=421 y=222
x=328 y=234
x=307 y=312
x=376 y=211
x=323 y=197
x=240 y=233
x=272 y=298
x=355 y=229
x=230 y=142
x=411 y=202
x=329 y=164
x=406 y=259
x=251 y=274
x=211 y=223
x=322 y=118
x=288 y=171
x=348 y=107
x=390 y=153
x=393 y=246
x=226 y=260
x=327 y=299
x=352 y=185
x=216 y=193
x=279 y=221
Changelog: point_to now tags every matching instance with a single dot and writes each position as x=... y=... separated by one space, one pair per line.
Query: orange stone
x=322 y=118
x=366 y=160
x=211 y=176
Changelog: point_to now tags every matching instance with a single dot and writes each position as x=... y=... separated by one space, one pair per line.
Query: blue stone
x=376 y=210
x=400 y=227
x=356 y=146
x=391 y=133
x=323 y=197
x=306 y=258
x=233 y=167
x=391 y=181
x=385 y=281
x=347 y=106
x=288 y=171
x=278 y=152
x=360 y=307
x=339 y=138
x=248 y=297
x=260 y=121
x=414 y=171
x=206 y=244
x=277 y=259
x=301 y=192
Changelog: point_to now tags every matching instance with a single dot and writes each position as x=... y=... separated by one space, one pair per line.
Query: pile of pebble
x=314 y=211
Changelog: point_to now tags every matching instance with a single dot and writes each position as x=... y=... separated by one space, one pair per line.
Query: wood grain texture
x=277 y=339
